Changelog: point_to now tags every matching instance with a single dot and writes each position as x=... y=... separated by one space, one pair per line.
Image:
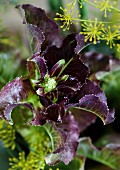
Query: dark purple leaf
x=57 y=68
x=37 y=67
x=37 y=37
x=88 y=87
x=67 y=152
x=77 y=69
x=93 y=104
x=83 y=118
x=69 y=86
x=45 y=101
x=53 y=54
x=80 y=38
x=37 y=16
x=54 y=113
x=91 y=101
x=39 y=118
x=20 y=92
x=71 y=82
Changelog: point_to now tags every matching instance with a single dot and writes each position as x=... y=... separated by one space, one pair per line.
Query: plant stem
x=83 y=10
x=54 y=5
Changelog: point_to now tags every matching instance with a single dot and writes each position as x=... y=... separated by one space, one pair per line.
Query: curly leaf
x=88 y=87
x=53 y=54
x=80 y=43
x=67 y=151
x=56 y=135
x=37 y=67
x=37 y=16
x=17 y=92
x=90 y=100
x=37 y=37
x=93 y=104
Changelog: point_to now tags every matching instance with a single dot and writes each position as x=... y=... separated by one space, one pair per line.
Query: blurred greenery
x=3 y=158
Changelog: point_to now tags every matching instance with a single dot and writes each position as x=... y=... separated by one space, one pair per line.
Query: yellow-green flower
x=7 y=134
x=104 y=5
x=110 y=36
x=17 y=163
x=118 y=47
x=34 y=160
x=92 y=30
x=68 y=16
x=39 y=144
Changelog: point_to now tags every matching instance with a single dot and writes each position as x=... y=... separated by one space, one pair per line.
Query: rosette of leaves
x=56 y=89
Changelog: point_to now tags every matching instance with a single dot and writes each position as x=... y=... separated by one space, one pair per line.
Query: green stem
x=10 y=153
x=83 y=20
x=83 y=10
x=65 y=67
x=115 y=9
x=18 y=147
x=50 y=136
x=54 y=5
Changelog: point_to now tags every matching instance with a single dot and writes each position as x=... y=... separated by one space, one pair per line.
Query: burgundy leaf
x=54 y=112
x=88 y=87
x=37 y=37
x=80 y=38
x=45 y=101
x=53 y=54
x=67 y=152
x=93 y=104
x=57 y=68
x=71 y=82
x=83 y=118
x=19 y=92
x=36 y=64
x=69 y=86
x=77 y=69
x=39 y=118
x=37 y=16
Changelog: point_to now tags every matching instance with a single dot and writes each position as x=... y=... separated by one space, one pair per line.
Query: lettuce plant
x=57 y=89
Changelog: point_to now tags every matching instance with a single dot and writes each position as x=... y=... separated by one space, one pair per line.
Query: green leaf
x=56 y=135
x=109 y=155
x=76 y=164
x=111 y=86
